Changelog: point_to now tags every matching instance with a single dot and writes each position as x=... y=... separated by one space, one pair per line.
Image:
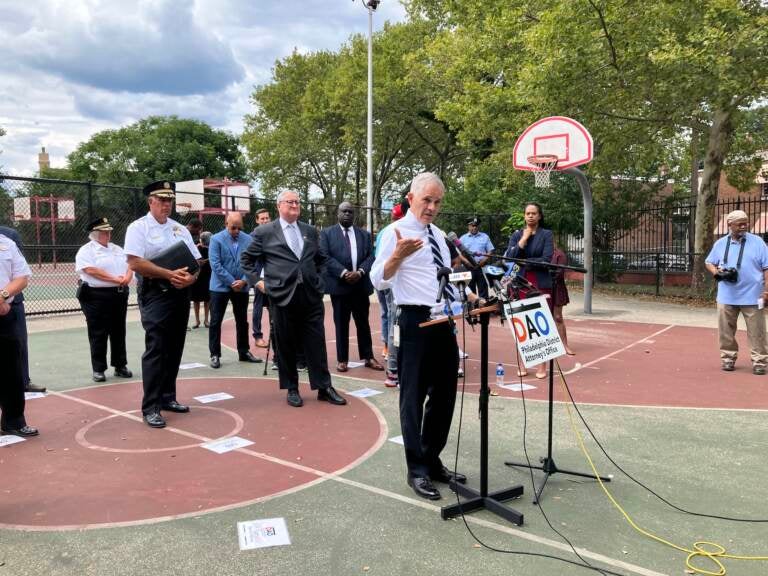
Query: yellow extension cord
x=710 y=550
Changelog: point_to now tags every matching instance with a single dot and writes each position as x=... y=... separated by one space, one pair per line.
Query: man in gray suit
x=289 y=252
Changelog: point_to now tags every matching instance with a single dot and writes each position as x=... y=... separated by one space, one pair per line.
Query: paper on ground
x=355 y=364
x=263 y=533
x=191 y=365
x=7 y=440
x=208 y=398
x=226 y=444
x=518 y=387
x=365 y=392
x=397 y=440
x=33 y=395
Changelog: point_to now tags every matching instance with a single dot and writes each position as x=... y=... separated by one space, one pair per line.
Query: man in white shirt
x=103 y=295
x=163 y=300
x=410 y=254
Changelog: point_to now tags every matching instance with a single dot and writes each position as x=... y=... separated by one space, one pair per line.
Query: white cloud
x=72 y=68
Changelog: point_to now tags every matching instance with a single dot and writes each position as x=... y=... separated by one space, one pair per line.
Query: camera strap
x=741 y=252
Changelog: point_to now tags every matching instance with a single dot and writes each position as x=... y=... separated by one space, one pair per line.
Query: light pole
x=371 y=5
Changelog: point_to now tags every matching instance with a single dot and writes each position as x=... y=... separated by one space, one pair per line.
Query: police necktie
x=437 y=258
x=293 y=239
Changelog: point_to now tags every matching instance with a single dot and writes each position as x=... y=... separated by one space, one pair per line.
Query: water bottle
x=499 y=374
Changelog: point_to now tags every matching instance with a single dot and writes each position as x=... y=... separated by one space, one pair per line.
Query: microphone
x=451 y=237
x=443 y=275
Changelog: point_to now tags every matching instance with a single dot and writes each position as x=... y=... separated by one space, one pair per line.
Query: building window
x=764 y=191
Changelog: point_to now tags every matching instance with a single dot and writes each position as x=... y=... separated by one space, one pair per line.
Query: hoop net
x=543 y=166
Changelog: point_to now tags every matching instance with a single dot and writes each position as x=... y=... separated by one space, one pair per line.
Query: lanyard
x=741 y=251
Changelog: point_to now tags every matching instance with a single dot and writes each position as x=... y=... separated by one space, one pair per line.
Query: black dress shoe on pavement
x=155 y=420
x=294 y=399
x=215 y=362
x=424 y=488
x=446 y=476
x=123 y=372
x=248 y=357
x=330 y=395
x=24 y=431
x=174 y=406
x=32 y=388
x=99 y=377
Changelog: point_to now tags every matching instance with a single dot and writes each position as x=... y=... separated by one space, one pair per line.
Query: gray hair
x=423 y=180
x=205 y=238
x=281 y=195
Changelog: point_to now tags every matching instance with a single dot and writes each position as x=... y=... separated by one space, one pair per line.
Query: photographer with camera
x=739 y=264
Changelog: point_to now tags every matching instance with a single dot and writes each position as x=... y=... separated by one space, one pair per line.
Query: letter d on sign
x=520 y=332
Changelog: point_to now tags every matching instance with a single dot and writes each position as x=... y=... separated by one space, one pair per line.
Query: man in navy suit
x=350 y=257
x=228 y=282
x=293 y=263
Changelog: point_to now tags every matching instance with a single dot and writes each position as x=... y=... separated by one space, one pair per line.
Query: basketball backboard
x=558 y=136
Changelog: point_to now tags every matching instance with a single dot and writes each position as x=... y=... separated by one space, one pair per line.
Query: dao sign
x=534 y=330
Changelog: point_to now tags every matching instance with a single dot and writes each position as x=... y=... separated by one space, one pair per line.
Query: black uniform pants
x=426 y=361
x=164 y=316
x=105 y=310
x=11 y=382
x=355 y=305
x=300 y=326
x=479 y=284
x=218 y=309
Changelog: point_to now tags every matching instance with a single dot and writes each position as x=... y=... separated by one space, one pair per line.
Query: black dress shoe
x=424 y=488
x=155 y=420
x=215 y=362
x=294 y=399
x=123 y=372
x=174 y=406
x=99 y=377
x=24 y=431
x=446 y=476
x=301 y=366
x=32 y=388
x=330 y=395
x=248 y=357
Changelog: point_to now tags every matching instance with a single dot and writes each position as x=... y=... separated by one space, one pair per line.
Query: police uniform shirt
x=12 y=263
x=415 y=282
x=109 y=258
x=146 y=237
x=478 y=244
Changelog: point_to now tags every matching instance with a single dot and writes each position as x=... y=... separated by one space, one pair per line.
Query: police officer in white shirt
x=163 y=300
x=103 y=295
x=410 y=253
x=14 y=276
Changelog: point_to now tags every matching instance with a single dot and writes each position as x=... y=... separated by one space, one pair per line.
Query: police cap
x=100 y=224
x=161 y=189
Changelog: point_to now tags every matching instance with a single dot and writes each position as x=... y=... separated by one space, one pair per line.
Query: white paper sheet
x=8 y=440
x=191 y=365
x=397 y=440
x=208 y=398
x=226 y=444
x=365 y=392
x=33 y=395
x=263 y=533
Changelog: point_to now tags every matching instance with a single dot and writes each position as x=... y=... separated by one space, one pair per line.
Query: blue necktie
x=437 y=258
x=293 y=240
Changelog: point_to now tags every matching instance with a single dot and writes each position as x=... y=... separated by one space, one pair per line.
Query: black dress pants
x=11 y=382
x=164 y=316
x=300 y=326
x=105 y=310
x=21 y=330
x=355 y=305
x=219 y=302
x=259 y=303
x=426 y=361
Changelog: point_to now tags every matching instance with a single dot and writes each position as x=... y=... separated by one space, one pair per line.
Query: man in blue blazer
x=350 y=257
x=228 y=282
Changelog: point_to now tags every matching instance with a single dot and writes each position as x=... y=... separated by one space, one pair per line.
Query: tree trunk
x=720 y=136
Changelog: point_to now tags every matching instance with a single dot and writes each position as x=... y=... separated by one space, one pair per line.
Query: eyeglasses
x=291 y=202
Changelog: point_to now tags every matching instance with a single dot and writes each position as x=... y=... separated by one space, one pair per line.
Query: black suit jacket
x=335 y=246
x=539 y=248
x=281 y=266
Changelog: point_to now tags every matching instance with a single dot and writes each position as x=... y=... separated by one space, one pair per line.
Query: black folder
x=176 y=256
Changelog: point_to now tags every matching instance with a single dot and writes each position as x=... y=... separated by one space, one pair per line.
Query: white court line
x=336 y=476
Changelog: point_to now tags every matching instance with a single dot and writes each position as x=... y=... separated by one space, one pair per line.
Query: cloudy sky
x=70 y=68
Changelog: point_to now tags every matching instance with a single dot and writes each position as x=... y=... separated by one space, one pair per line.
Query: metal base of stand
x=549 y=468
x=491 y=502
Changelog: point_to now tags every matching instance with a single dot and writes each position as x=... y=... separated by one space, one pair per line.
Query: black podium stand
x=481 y=499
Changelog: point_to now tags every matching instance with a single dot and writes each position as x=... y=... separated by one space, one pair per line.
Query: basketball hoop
x=543 y=165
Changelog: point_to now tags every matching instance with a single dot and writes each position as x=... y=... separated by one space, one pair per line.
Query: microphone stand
x=548 y=465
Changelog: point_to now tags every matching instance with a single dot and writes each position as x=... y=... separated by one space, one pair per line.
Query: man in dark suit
x=350 y=258
x=293 y=263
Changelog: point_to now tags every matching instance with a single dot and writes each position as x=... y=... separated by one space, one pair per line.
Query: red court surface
x=98 y=464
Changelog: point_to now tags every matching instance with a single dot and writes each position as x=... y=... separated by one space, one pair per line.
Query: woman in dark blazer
x=533 y=243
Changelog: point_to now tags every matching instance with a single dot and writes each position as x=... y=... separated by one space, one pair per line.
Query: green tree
x=158 y=147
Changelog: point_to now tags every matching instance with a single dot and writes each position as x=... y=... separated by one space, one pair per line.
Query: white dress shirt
x=415 y=282
x=109 y=258
x=12 y=263
x=146 y=237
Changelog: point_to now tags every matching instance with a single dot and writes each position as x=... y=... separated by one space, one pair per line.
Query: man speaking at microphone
x=410 y=254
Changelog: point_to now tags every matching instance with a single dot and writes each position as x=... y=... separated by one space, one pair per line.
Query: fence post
x=658 y=274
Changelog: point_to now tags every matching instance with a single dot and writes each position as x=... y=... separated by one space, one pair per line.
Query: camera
x=727 y=275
